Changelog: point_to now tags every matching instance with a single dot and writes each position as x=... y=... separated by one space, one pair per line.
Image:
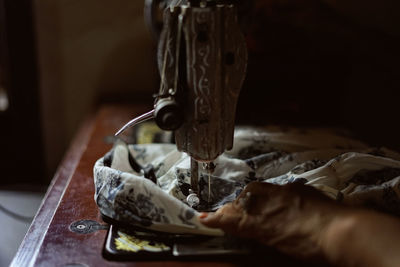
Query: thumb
x=228 y=222
x=210 y=219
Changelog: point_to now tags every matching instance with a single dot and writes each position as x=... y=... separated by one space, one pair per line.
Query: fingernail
x=203 y=215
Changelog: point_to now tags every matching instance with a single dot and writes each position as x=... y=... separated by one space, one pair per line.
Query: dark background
x=21 y=151
x=309 y=65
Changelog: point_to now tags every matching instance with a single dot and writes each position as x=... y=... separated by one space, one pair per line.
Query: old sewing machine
x=202 y=59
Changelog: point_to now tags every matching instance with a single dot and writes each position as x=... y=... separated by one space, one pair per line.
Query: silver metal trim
x=144 y=117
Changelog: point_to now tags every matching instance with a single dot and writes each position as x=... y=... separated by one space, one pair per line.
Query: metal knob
x=168 y=114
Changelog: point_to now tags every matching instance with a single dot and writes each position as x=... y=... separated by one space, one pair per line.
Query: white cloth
x=343 y=168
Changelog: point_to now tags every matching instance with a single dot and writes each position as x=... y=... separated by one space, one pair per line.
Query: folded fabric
x=154 y=196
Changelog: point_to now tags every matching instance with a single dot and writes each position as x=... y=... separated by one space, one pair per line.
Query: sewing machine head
x=202 y=59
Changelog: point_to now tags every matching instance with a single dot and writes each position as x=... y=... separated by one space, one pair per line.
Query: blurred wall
x=310 y=62
x=88 y=49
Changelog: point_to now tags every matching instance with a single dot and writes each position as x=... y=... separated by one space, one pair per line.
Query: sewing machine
x=202 y=58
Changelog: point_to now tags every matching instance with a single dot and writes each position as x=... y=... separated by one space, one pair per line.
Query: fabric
x=148 y=184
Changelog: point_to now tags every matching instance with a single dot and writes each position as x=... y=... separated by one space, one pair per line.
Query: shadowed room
x=235 y=104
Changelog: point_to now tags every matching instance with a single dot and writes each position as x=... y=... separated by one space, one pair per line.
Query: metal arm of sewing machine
x=202 y=58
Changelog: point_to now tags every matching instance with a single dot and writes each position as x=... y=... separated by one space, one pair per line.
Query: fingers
x=287 y=217
x=234 y=216
x=227 y=218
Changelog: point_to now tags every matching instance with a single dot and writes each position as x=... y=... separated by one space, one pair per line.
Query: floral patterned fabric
x=148 y=184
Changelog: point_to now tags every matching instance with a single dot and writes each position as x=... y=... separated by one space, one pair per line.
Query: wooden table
x=70 y=198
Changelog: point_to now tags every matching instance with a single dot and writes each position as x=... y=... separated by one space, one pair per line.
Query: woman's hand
x=302 y=222
x=292 y=218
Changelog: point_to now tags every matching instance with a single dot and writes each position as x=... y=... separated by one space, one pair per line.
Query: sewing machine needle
x=144 y=117
x=209 y=186
x=194 y=175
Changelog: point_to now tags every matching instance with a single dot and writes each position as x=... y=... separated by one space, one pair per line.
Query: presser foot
x=196 y=198
x=196 y=203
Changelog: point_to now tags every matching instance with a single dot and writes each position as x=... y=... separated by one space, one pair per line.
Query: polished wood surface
x=70 y=198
